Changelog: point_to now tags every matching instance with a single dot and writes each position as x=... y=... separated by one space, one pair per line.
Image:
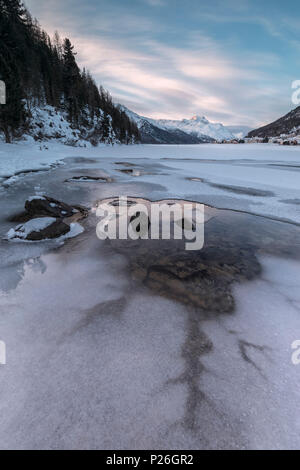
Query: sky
x=232 y=61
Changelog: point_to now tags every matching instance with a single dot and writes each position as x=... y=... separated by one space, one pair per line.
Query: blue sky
x=231 y=61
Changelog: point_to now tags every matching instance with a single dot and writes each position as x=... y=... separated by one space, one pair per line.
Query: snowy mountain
x=286 y=125
x=151 y=132
x=195 y=130
x=198 y=126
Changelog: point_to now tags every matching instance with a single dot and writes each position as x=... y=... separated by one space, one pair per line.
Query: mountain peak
x=199 y=118
x=196 y=127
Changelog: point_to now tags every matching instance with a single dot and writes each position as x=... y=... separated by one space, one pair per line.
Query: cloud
x=174 y=82
x=147 y=73
x=155 y=3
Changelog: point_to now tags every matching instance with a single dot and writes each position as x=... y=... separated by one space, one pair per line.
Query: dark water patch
x=295 y=202
x=80 y=160
x=125 y=164
x=204 y=279
x=285 y=166
x=234 y=189
x=242 y=190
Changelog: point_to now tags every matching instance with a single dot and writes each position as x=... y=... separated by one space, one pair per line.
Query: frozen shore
x=262 y=179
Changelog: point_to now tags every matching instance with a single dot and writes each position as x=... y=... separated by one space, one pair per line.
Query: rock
x=202 y=279
x=38 y=229
x=46 y=218
x=45 y=206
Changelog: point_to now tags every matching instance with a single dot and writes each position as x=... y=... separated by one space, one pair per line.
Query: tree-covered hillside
x=41 y=73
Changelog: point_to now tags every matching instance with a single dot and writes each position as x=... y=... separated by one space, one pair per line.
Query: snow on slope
x=49 y=124
x=198 y=126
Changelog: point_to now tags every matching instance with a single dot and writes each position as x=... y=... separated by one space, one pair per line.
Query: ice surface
x=269 y=173
x=23 y=157
x=252 y=351
x=96 y=361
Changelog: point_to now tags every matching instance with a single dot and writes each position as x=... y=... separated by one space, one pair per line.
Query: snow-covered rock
x=43 y=228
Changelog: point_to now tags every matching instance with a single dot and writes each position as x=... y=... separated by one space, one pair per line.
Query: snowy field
x=95 y=360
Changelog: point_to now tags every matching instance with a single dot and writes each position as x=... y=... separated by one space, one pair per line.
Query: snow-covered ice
x=269 y=174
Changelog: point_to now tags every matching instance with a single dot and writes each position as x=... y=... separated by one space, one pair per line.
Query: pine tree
x=71 y=81
x=38 y=71
x=12 y=114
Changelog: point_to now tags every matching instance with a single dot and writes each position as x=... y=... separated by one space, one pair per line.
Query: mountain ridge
x=286 y=125
x=195 y=130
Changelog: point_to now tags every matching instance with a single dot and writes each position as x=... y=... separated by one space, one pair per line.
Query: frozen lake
x=99 y=357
